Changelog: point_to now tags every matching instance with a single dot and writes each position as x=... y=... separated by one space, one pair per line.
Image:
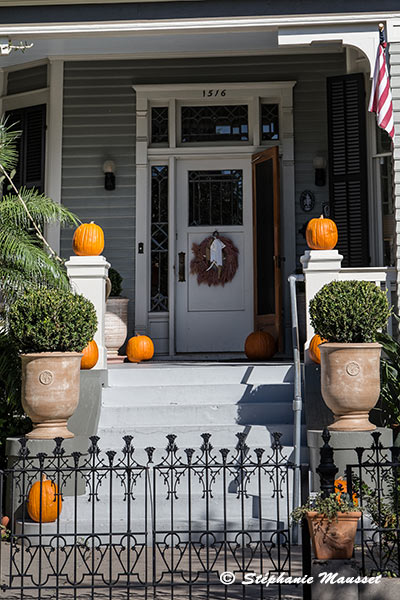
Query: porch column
x=319 y=267
x=88 y=275
x=393 y=34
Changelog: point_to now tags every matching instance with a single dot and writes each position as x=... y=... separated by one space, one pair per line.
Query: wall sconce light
x=319 y=164
x=109 y=172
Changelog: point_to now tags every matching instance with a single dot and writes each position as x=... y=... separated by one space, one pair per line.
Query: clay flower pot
x=50 y=392
x=350 y=383
x=116 y=327
x=334 y=539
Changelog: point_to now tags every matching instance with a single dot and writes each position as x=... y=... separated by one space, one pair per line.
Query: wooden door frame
x=270 y=323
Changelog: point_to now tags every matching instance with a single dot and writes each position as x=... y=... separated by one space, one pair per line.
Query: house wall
x=99 y=123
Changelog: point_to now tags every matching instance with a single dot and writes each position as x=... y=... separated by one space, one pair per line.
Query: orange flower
x=341 y=488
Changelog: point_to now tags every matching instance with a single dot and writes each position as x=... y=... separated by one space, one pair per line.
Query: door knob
x=181 y=266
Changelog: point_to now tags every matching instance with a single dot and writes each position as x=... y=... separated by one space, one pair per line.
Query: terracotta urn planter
x=334 y=539
x=350 y=383
x=50 y=392
x=116 y=327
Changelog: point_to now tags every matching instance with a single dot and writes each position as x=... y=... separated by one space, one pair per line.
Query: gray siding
x=26 y=80
x=99 y=123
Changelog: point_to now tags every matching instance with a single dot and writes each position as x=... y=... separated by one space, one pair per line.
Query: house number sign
x=213 y=93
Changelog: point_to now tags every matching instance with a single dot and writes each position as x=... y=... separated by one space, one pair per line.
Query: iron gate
x=188 y=524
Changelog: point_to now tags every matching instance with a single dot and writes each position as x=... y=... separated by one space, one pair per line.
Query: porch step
x=176 y=374
x=242 y=413
x=196 y=394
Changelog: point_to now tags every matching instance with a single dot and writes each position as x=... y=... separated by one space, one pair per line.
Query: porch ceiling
x=166 y=45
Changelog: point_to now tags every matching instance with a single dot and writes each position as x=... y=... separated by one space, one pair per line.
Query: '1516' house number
x=213 y=93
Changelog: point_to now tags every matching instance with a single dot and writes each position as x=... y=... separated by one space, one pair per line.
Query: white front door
x=213 y=195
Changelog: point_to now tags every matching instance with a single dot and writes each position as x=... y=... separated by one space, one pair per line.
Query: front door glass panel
x=215 y=197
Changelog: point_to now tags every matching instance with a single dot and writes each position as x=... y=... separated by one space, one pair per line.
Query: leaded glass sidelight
x=216 y=197
x=214 y=123
x=159 y=125
x=269 y=122
x=159 y=239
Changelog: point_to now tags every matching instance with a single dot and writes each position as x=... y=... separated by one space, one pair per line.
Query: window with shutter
x=348 y=193
x=31 y=121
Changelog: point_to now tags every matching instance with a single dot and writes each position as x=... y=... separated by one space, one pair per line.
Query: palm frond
x=8 y=146
x=42 y=209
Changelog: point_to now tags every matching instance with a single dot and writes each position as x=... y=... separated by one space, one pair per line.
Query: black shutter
x=348 y=191
x=31 y=145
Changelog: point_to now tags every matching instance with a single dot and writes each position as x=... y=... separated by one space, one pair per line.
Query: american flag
x=381 y=96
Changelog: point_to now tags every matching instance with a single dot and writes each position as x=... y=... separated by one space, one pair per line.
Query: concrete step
x=246 y=413
x=191 y=394
x=161 y=374
x=188 y=436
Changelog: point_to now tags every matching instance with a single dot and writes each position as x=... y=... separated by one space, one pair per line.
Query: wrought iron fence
x=189 y=524
x=375 y=480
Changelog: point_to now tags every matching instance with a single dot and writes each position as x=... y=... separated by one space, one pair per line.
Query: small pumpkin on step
x=260 y=345
x=44 y=502
x=321 y=234
x=139 y=347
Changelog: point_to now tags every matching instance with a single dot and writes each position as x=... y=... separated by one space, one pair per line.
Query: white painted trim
x=75 y=29
x=174 y=94
x=25 y=99
x=53 y=173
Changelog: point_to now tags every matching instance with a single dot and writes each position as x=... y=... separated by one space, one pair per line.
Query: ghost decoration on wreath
x=215 y=260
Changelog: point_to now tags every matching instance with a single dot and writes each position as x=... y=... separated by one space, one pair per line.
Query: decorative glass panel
x=269 y=122
x=159 y=125
x=215 y=197
x=159 y=239
x=214 y=123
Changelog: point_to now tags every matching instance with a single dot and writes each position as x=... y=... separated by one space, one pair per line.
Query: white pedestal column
x=88 y=276
x=319 y=267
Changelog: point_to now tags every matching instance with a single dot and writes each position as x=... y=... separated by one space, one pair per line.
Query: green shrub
x=51 y=321
x=349 y=311
x=116 y=282
x=328 y=507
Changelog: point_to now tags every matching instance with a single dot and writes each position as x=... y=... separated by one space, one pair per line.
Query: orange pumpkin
x=90 y=355
x=44 y=494
x=139 y=347
x=341 y=488
x=259 y=345
x=321 y=234
x=88 y=240
x=315 y=352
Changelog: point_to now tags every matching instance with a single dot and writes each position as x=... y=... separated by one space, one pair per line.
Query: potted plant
x=116 y=318
x=49 y=329
x=349 y=314
x=332 y=522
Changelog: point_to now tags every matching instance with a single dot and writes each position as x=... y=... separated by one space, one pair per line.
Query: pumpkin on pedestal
x=88 y=240
x=260 y=345
x=44 y=503
x=315 y=352
x=139 y=347
x=321 y=234
x=90 y=356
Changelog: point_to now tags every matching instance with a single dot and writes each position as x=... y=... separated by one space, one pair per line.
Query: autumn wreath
x=208 y=267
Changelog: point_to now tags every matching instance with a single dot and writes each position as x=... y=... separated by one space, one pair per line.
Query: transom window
x=159 y=125
x=269 y=122
x=215 y=123
x=216 y=197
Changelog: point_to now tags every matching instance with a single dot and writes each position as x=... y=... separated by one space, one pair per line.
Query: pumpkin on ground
x=43 y=498
x=259 y=345
x=88 y=240
x=321 y=234
x=315 y=352
x=90 y=355
x=139 y=347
